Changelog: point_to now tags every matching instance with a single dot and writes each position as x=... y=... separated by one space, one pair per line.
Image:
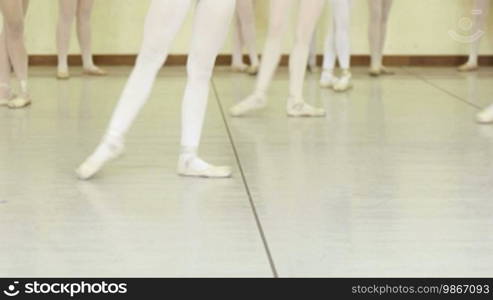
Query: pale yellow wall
x=416 y=27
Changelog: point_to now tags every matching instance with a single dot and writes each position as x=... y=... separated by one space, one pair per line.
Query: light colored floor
x=396 y=181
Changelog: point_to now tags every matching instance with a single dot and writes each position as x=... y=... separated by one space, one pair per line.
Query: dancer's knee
x=15 y=29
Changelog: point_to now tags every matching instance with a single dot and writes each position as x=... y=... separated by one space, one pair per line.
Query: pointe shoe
x=344 y=83
x=19 y=102
x=467 y=67
x=185 y=169
x=62 y=75
x=95 y=71
x=485 y=116
x=252 y=70
x=302 y=109
x=327 y=80
x=250 y=104
x=239 y=68
x=92 y=165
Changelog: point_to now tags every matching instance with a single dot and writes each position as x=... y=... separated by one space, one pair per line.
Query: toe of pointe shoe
x=19 y=102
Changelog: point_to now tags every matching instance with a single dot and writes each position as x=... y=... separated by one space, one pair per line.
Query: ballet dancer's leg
x=84 y=30
x=328 y=78
x=13 y=12
x=342 y=19
x=237 y=64
x=379 y=15
x=5 y=68
x=164 y=19
x=338 y=43
x=209 y=32
x=246 y=18
x=309 y=13
x=67 y=10
x=312 y=56
x=271 y=55
x=482 y=6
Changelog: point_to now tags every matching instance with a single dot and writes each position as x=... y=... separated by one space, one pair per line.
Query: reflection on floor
x=395 y=181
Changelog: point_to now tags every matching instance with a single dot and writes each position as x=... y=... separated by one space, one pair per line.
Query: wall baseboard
x=223 y=60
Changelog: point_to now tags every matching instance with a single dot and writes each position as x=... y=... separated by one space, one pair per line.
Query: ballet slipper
x=106 y=152
x=62 y=75
x=327 y=79
x=250 y=104
x=187 y=169
x=467 y=67
x=344 y=83
x=485 y=116
x=19 y=102
x=95 y=71
x=239 y=68
x=297 y=109
x=252 y=70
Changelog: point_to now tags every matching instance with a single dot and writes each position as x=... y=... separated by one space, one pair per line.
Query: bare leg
x=13 y=13
x=5 y=68
x=84 y=30
x=66 y=15
x=481 y=9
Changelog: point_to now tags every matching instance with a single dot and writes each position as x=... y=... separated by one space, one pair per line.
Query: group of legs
x=162 y=23
x=13 y=54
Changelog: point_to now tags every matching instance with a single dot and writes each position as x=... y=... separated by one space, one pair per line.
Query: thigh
x=84 y=7
x=68 y=8
x=278 y=16
x=309 y=13
x=211 y=26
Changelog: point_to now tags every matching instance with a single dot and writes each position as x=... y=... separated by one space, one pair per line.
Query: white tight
x=337 y=43
x=309 y=13
x=68 y=11
x=245 y=34
x=379 y=15
x=13 y=53
x=164 y=19
x=479 y=25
